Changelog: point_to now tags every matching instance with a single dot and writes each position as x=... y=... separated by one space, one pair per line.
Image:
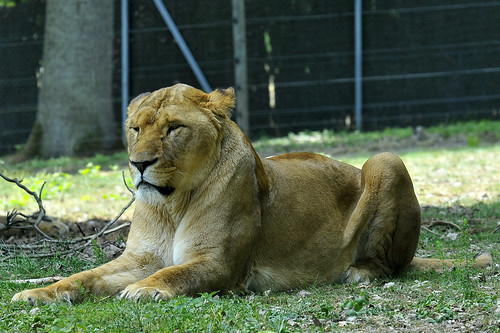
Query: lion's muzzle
x=164 y=190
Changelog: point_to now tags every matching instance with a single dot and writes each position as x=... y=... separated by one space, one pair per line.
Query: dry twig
x=429 y=230
x=50 y=279
x=440 y=222
x=38 y=217
x=48 y=240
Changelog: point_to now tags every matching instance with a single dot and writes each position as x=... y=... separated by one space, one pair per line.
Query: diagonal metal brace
x=182 y=45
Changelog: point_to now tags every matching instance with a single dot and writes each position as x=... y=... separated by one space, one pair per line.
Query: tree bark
x=75 y=113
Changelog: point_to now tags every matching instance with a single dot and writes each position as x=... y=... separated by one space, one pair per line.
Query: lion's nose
x=142 y=165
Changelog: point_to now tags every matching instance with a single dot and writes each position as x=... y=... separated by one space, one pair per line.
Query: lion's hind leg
x=389 y=237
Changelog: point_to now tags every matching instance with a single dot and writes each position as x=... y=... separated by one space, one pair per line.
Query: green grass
x=473 y=134
x=483 y=128
x=454 y=183
x=464 y=299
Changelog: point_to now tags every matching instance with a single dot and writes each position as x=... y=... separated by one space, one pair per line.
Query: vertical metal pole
x=358 y=65
x=125 y=62
x=240 y=65
x=182 y=45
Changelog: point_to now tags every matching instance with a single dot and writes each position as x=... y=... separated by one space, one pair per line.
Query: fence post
x=358 y=65
x=125 y=63
x=240 y=65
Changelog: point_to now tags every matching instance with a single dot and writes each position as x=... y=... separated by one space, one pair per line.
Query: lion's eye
x=172 y=128
x=136 y=129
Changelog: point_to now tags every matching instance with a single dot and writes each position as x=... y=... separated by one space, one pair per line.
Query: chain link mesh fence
x=424 y=62
x=21 y=43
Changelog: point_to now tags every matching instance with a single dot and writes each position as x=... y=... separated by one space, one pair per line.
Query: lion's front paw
x=140 y=290
x=39 y=295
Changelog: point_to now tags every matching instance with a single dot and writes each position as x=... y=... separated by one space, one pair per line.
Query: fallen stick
x=124 y=225
x=44 y=280
x=37 y=216
x=440 y=222
x=87 y=239
x=429 y=230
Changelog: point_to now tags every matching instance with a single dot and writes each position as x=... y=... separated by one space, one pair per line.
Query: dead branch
x=126 y=185
x=104 y=229
x=88 y=240
x=441 y=222
x=48 y=240
x=50 y=279
x=429 y=230
x=121 y=226
x=38 y=217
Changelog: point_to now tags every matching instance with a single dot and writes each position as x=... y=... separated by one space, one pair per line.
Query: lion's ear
x=136 y=102
x=221 y=102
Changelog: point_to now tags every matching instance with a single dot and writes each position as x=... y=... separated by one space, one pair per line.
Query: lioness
x=212 y=215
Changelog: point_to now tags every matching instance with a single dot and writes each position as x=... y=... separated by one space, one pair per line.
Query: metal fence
x=424 y=62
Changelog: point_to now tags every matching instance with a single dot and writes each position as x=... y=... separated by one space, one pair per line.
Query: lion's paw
x=137 y=291
x=40 y=295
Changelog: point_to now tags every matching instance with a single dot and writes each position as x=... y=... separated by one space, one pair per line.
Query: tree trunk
x=75 y=113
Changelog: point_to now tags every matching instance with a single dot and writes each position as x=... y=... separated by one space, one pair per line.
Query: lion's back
x=306 y=175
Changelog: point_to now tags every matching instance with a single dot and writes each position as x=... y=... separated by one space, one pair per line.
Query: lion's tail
x=481 y=260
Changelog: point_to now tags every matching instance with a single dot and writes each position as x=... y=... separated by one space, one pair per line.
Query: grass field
x=456 y=173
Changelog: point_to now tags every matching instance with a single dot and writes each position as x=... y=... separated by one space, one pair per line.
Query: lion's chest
x=179 y=249
x=171 y=246
x=182 y=243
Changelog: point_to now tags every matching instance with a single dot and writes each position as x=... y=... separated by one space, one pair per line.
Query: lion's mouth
x=164 y=190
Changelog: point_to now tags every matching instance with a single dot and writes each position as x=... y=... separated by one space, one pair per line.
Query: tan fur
x=221 y=218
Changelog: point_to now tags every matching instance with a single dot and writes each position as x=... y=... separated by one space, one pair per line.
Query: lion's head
x=173 y=137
